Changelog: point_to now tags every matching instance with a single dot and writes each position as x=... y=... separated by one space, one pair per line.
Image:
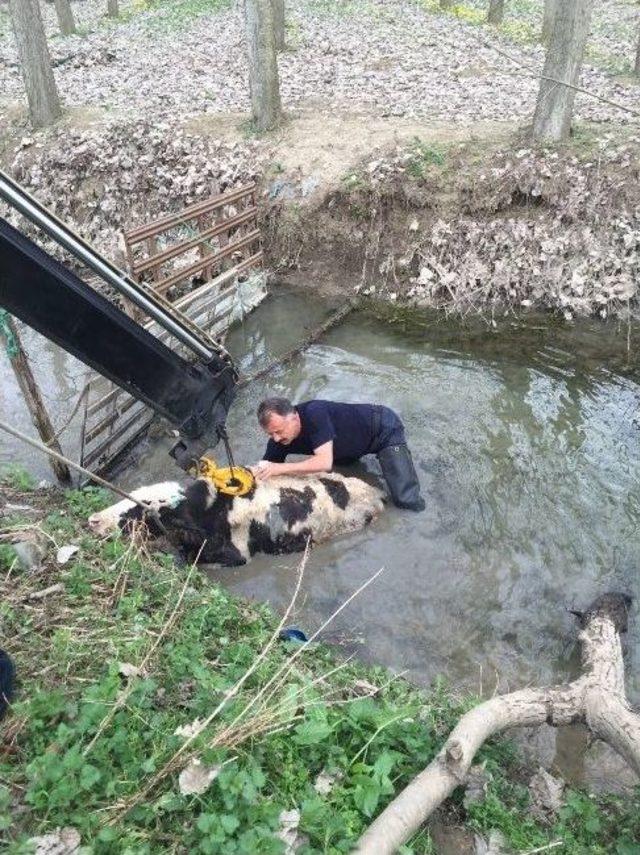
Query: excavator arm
x=194 y=395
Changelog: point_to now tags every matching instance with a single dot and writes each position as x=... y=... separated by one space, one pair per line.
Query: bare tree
x=279 y=23
x=10 y=337
x=548 y=19
x=35 y=62
x=596 y=698
x=263 y=64
x=112 y=8
x=554 y=108
x=65 y=17
x=496 y=11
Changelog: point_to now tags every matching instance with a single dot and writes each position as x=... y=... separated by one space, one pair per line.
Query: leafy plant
x=17 y=478
x=423 y=155
x=95 y=731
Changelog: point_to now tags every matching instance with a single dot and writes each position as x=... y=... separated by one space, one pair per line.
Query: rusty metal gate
x=205 y=260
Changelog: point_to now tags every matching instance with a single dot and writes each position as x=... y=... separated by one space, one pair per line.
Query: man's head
x=279 y=418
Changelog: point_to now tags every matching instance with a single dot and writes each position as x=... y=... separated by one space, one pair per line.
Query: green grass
x=348 y=8
x=16 y=477
x=173 y=15
x=423 y=156
x=167 y=15
x=85 y=738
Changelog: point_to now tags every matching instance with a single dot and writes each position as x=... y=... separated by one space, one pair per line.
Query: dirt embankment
x=410 y=213
x=478 y=226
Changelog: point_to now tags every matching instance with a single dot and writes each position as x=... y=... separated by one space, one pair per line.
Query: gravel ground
x=391 y=58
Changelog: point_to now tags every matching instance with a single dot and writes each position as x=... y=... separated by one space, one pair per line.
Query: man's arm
x=320 y=461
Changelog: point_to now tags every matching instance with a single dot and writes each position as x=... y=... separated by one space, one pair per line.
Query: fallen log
x=597 y=699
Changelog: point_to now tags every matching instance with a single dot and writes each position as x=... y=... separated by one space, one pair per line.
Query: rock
x=326 y=781
x=495 y=845
x=537 y=744
x=605 y=771
x=30 y=555
x=546 y=796
x=66 y=552
x=289 y=834
x=62 y=841
x=476 y=788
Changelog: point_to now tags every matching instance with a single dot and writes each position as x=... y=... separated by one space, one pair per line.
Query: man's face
x=283 y=429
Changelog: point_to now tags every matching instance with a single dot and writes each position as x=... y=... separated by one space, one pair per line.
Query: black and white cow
x=276 y=516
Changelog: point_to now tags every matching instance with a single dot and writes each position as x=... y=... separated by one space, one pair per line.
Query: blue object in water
x=291 y=633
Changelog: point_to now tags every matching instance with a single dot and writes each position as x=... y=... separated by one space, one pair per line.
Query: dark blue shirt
x=356 y=430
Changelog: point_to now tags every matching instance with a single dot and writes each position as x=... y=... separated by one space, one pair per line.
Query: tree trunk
x=636 y=67
x=65 y=17
x=597 y=699
x=552 y=117
x=548 y=19
x=112 y=8
x=496 y=12
x=278 y=23
x=263 y=65
x=35 y=62
x=26 y=381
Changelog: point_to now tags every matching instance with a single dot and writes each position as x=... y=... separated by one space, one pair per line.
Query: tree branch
x=597 y=698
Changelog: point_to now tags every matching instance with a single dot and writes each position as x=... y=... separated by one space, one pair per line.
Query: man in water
x=330 y=432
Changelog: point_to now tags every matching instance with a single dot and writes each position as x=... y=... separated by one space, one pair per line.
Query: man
x=330 y=432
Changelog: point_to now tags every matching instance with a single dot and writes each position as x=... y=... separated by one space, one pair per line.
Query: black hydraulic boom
x=193 y=395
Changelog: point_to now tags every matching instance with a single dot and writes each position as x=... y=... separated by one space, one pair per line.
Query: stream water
x=525 y=442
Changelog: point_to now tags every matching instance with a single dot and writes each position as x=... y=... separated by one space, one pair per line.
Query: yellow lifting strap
x=231 y=480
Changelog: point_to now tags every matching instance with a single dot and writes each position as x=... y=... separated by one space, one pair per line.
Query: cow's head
x=163 y=495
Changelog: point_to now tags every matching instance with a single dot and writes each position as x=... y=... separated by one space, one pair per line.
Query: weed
x=294 y=38
x=91 y=738
x=7 y=557
x=423 y=156
x=17 y=478
x=172 y=15
x=82 y=503
x=353 y=181
x=520 y=31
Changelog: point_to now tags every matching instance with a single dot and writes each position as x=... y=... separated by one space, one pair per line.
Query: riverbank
x=401 y=171
x=127 y=654
x=481 y=223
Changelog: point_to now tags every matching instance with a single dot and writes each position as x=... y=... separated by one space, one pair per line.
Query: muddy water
x=61 y=379
x=525 y=443
x=529 y=458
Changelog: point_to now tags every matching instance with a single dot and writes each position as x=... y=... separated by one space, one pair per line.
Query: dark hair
x=277 y=406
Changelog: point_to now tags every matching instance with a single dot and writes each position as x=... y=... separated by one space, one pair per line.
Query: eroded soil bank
x=416 y=214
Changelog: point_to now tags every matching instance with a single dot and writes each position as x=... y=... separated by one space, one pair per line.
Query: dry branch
x=597 y=699
x=339 y=315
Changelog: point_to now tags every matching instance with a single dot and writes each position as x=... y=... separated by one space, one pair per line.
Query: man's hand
x=320 y=461
x=265 y=470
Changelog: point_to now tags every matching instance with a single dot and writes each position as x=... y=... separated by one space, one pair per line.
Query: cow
x=275 y=517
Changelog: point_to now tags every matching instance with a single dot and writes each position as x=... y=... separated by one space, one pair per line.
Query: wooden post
x=18 y=358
